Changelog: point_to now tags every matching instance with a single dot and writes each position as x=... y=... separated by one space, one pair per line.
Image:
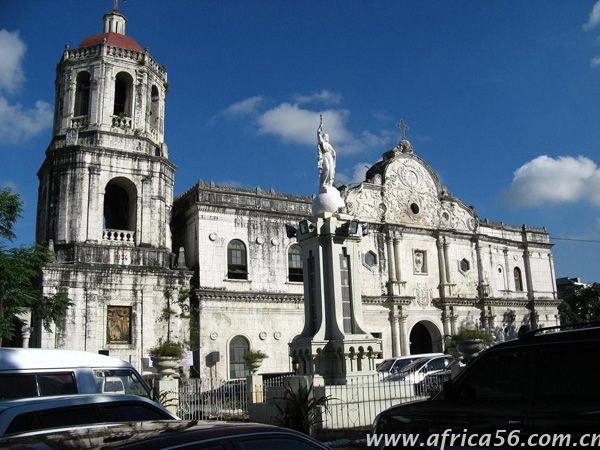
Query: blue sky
x=502 y=97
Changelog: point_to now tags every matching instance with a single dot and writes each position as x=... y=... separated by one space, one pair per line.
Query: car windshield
x=120 y=381
x=415 y=365
x=386 y=365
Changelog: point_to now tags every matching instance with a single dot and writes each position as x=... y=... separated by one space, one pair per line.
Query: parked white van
x=395 y=365
x=34 y=372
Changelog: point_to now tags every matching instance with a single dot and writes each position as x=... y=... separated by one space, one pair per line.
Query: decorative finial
x=403 y=128
x=115 y=5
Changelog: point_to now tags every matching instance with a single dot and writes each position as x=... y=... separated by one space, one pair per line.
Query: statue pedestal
x=328 y=200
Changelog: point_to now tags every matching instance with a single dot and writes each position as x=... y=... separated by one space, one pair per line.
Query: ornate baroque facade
x=429 y=266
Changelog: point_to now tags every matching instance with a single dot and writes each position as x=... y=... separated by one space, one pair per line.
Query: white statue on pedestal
x=328 y=200
x=326 y=159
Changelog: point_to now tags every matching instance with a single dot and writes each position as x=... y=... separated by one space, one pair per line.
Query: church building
x=124 y=248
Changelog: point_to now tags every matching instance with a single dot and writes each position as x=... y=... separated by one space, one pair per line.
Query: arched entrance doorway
x=425 y=337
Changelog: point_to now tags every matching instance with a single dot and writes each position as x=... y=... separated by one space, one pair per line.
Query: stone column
x=482 y=285
x=391 y=260
x=453 y=318
x=447 y=261
x=63 y=208
x=397 y=255
x=403 y=333
x=393 y=317
x=94 y=227
x=528 y=278
x=551 y=262
x=25 y=334
x=506 y=271
x=442 y=268
x=445 y=322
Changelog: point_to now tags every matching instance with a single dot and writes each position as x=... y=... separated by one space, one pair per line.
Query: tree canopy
x=20 y=275
x=582 y=305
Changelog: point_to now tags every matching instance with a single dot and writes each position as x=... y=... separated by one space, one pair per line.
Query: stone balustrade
x=121 y=122
x=79 y=122
x=74 y=54
x=120 y=236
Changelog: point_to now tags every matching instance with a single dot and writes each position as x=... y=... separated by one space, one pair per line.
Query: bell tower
x=106 y=192
x=107 y=175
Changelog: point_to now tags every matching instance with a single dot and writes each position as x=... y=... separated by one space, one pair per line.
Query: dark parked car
x=182 y=435
x=29 y=414
x=544 y=382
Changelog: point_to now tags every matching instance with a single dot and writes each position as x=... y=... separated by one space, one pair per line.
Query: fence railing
x=357 y=403
x=353 y=405
x=213 y=399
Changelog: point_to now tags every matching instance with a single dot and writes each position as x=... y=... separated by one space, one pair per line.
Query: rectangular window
x=346 y=292
x=312 y=294
x=118 y=325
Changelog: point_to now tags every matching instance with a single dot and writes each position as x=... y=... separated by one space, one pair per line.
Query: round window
x=414 y=208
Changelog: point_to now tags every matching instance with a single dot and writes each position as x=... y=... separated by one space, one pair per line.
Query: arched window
x=82 y=94
x=238 y=347
x=518 y=280
x=123 y=94
x=295 y=263
x=154 y=111
x=237 y=266
x=120 y=205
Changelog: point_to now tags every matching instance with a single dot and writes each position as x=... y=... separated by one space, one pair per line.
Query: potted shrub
x=470 y=343
x=254 y=359
x=165 y=357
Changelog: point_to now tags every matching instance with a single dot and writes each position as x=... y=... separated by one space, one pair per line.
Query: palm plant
x=302 y=410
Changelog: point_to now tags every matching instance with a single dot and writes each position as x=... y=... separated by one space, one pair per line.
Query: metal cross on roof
x=403 y=128
x=116 y=5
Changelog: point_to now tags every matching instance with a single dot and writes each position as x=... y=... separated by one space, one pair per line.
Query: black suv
x=547 y=381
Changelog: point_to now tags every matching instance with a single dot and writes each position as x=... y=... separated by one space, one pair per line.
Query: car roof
x=39 y=403
x=123 y=434
x=550 y=335
x=12 y=359
x=417 y=355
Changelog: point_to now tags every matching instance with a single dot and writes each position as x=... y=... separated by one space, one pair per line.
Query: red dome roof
x=118 y=40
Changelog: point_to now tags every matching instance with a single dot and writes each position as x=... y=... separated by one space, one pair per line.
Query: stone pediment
x=405 y=190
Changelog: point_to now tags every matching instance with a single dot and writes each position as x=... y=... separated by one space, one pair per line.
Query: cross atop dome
x=403 y=128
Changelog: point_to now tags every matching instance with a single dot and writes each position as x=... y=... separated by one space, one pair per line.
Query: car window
x=569 y=372
x=56 y=384
x=57 y=417
x=17 y=386
x=119 y=381
x=275 y=443
x=436 y=364
x=24 y=385
x=498 y=375
x=125 y=412
x=386 y=365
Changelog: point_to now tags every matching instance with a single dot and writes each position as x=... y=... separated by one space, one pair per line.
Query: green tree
x=20 y=269
x=583 y=305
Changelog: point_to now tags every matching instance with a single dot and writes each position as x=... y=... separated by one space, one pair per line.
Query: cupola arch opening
x=120 y=209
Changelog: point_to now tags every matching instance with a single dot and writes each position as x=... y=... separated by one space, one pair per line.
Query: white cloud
x=17 y=123
x=595 y=61
x=357 y=174
x=12 y=49
x=546 y=180
x=325 y=96
x=594 y=18
x=243 y=107
x=298 y=125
